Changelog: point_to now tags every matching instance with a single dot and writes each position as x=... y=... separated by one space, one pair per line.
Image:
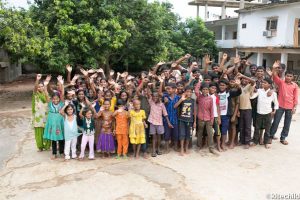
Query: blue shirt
x=172 y=112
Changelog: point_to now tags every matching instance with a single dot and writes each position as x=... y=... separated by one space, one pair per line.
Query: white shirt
x=223 y=102
x=264 y=103
x=215 y=105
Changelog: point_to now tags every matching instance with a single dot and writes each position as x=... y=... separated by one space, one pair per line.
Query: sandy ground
x=236 y=174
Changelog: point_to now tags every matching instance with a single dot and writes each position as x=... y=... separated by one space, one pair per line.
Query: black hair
x=224 y=81
x=214 y=65
x=196 y=70
x=247 y=75
x=213 y=84
x=79 y=90
x=172 y=85
x=120 y=102
x=268 y=80
x=260 y=67
x=206 y=76
x=214 y=75
x=106 y=100
x=180 y=83
x=184 y=71
x=289 y=72
x=253 y=65
x=69 y=106
x=55 y=94
x=204 y=85
x=188 y=88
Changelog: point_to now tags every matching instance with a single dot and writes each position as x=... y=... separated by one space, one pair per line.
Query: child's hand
x=82 y=105
x=47 y=80
x=69 y=67
x=195 y=125
x=38 y=77
x=170 y=125
x=85 y=73
x=67 y=102
x=114 y=132
x=145 y=125
x=166 y=100
x=112 y=72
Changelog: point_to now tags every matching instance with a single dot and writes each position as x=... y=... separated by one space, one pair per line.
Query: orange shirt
x=122 y=123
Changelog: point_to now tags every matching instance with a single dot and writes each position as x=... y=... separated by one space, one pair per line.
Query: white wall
x=252 y=36
x=229 y=31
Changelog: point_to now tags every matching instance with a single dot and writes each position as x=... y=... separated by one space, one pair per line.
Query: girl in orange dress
x=121 y=131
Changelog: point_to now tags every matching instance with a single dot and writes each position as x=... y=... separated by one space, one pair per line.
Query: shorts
x=224 y=124
x=216 y=127
x=156 y=129
x=171 y=133
x=185 y=130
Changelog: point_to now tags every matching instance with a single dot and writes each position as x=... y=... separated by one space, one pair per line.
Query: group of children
x=122 y=112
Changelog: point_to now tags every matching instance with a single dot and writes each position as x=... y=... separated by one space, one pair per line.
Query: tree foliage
x=121 y=34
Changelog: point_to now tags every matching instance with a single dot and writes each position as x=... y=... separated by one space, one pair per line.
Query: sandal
x=153 y=154
x=284 y=142
x=159 y=153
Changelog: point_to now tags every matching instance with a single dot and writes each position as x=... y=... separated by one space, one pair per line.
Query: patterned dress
x=39 y=117
x=54 y=129
x=137 y=129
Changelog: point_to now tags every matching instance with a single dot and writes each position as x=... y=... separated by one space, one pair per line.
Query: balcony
x=226 y=44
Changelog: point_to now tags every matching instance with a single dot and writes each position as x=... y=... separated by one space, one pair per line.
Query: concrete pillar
x=223 y=12
x=223 y=32
x=259 y=59
x=198 y=11
x=205 y=12
x=242 y=4
x=284 y=60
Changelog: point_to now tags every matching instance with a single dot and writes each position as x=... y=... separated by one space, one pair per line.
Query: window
x=234 y=36
x=272 y=24
x=244 y=25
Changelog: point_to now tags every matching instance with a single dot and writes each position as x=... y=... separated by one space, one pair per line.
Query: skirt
x=106 y=143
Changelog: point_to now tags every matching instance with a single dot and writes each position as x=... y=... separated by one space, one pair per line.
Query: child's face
x=40 y=87
x=88 y=114
x=222 y=87
x=108 y=95
x=244 y=81
x=179 y=87
x=188 y=93
x=103 y=83
x=215 y=68
x=137 y=105
x=100 y=94
x=155 y=97
x=106 y=105
x=232 y=83
x=253 y=70
x=80 y=95
x=69 y=96
x=216 y=80
x=212 y=90
x=172 y=80
x=265 y=85
x=124 y=96
x=289 y=78
x=70 y=111
x=55 y=100
x=91 y=93
x=207 y=81
x=170 y=90
x=259 y=73
x=205 y=91
x=117 y=89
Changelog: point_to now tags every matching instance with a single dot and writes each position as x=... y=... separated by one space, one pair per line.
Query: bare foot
x=252 y=144
x=137 y=157
x=223 y=148
x=181 y=153
x=247 y=146
x=267 y=146
x=219 y=149
x=231 y=146
x=145 y=156
x=187 y=151
x=53 y=157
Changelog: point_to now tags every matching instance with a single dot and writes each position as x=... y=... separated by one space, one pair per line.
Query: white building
x=271 y=32
x=262 y=32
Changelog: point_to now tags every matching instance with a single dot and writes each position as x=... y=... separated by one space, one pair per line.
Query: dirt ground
x=240 y=174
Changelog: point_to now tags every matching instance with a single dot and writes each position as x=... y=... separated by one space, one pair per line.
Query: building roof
x=220 y=3
x=227 y=21
x=267 y=6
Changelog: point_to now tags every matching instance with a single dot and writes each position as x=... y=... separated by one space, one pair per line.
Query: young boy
x=187 y=116
x=217 y=118
x=248 y=86
x=157 y=110
x=287 y=99
x=171 y=132
x=226 y=110
x=205 y=115
x=264 y=111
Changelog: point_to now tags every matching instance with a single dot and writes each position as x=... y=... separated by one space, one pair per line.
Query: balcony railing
x=226 y=43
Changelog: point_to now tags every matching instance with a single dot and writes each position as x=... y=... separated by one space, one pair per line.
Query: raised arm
x=207 y=62
x=46 y=83
x=69 y=70
x=37 y=80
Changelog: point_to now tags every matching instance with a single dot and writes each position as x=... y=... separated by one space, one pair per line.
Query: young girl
x=39 y=113
x=137 y=127
x=88 y=131
x=121 y=116
x=106 y=141
x=54 y=129
x=70 y=129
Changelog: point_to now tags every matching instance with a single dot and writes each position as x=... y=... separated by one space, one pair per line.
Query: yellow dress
x=137 y=129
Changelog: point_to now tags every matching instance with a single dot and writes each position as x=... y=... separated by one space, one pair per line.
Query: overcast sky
x=180 y=6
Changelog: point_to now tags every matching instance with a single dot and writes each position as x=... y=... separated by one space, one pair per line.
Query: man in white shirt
x=264 y=111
